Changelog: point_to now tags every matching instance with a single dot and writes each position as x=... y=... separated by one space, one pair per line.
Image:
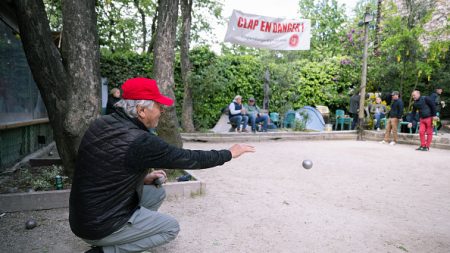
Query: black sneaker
x=419 y=148
x=95 y=249
x=425 y=149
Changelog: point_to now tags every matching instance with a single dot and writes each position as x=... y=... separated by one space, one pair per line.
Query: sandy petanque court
x=358 y=197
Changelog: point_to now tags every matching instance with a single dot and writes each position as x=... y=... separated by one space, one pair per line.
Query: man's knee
x=172 y=230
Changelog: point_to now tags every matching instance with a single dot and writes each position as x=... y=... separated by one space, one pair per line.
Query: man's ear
x=140 y=111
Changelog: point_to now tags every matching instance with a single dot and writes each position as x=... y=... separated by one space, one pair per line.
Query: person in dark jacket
x=395 y=114
x=114 y=201
x=113 y=98
x=436 y=98
x=427 y=113
x=354 y=109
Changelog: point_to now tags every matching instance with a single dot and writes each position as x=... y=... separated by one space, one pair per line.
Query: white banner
x=266 y=32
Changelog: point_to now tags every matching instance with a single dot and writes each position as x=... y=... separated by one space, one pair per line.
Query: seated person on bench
x=379 y=111
x=255 y=116
x=237 y=115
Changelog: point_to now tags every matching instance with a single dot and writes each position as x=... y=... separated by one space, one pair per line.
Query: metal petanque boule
x=30 y=224
x=307 y=164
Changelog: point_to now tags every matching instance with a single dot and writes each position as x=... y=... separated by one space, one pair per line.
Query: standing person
x=255 y=116
x=395 y=114
x=436 y=98
x=114 y=201
x=354 y=109
x=113 y=98
x=379 y=111
x=427 y=112
x=237 y=115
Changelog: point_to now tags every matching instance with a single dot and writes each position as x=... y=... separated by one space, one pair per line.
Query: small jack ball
x=307 y=164
x=30 y=224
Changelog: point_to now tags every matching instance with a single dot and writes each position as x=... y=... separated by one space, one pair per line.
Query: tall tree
x=151 y=44
x=187 y=117
x=68 y=81
x=143 y=24
x=376 y=43
x=327 y=20
x=163 y=67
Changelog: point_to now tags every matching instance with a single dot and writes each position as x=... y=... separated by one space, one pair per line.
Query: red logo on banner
x=293 y=40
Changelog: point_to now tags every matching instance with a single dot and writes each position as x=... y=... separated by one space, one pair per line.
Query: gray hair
x=129 y=106
x=237 y=97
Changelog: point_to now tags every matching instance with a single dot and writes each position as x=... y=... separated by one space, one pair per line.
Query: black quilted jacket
x=112 y=161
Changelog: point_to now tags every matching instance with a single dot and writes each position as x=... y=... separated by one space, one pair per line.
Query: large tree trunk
x=68 y=82
x=187 y=111
x=163 y=67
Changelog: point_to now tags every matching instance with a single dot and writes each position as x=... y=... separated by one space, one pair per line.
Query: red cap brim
x=164 y=100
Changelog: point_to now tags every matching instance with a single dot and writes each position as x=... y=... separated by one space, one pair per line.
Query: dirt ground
x=358 y=197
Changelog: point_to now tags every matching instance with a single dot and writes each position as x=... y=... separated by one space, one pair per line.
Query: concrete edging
x=269 y=136
x=15 y=202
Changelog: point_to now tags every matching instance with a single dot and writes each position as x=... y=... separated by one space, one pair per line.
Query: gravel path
x=358 y=197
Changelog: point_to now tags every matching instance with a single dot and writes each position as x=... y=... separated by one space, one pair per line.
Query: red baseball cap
x=141 y=88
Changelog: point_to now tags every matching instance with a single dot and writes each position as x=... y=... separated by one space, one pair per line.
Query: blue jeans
x=255 y=120
x=238 y=119
x=377 y=117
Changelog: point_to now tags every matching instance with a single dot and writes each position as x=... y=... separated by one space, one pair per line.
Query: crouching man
x=113 y=202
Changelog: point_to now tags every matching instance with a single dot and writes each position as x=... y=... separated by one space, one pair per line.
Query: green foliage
x=300 y=124
x=215 y=82
x=327 y=24
x=118 y=67
x=40 y=178
x=404 y=63
x=311 y=83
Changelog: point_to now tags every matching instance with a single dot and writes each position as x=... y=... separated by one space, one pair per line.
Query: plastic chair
x=383 y=123
x=289 y=119
x=403 y=123
x=342 y=120
x=275 y=118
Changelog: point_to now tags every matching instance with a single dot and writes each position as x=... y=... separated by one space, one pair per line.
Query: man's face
x=415 y=95
x=394 y=97
x=378 y=100
x=150 y=116
x=251 y=102
x=239 y=100
x=439 y=91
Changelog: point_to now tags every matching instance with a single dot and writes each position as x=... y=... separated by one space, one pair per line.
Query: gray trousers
x=145 y=229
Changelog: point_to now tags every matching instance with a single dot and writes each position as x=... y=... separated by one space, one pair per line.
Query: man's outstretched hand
x=239 y=149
